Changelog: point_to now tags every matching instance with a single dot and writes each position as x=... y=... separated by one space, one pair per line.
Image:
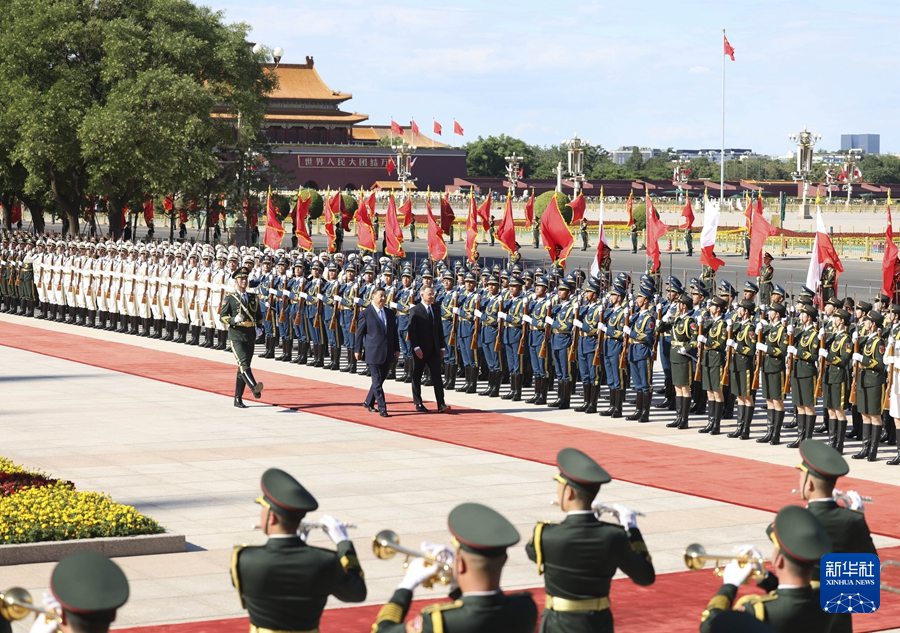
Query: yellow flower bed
x=57 y=512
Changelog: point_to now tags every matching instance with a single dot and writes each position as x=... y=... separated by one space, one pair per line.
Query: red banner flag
x=729 y=49
x=182 y=216
x=656 y=228
x=447 y=215
x=629 y=208
x=889 y=260
x=148 y=211
x=301 y=212
x=332 y=210
x=555 y=234
x=437 y=249
x=471 y=229
x=392 y=232
x=274 y=228
x=169 y=203
x=577 y=205
x=529 y=211
x=437 y=127
x=687 y=212
x=415 y=127
x=395 y=128
x=390 y=166
x=16 y=212
x=405 y=211
x=457 y=128
x=760 y=229
x=365 y=233
x=484 y=212
x=506 y=232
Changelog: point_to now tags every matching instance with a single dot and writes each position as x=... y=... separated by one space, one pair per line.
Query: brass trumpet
x=16 y=604
x=696 y=557
x=884 y=585
x=386 y=545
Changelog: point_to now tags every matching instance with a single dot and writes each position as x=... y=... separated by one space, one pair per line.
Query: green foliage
x=486 y=156
x=349 y=202
x=317 y=206
x=639 y=213
x=541 y=202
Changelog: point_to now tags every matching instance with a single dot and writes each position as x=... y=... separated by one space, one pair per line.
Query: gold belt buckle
x=259 y=629
x=555 y=603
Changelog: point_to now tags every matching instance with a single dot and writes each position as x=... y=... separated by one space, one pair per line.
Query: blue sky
x=615 y=73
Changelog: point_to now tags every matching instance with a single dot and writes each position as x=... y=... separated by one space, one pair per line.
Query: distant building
x=731 y=153
x=868 y=143
x=623 y=154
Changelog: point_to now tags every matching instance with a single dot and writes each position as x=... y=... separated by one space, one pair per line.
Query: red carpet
x=736 y=480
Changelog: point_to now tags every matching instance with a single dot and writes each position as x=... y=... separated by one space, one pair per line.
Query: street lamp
x=575 y=148
x=405 y=161
x=805 y=141
x=512 y=170
x=680 y=175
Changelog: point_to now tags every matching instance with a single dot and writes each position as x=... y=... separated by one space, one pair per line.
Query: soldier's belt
x=259 y=629
x=245 y=324
x=553 y=603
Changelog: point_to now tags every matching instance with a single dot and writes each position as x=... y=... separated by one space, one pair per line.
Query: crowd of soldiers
x=542 y=329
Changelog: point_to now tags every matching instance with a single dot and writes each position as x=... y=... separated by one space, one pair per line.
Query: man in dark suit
x=377 y=333
x=426 y=338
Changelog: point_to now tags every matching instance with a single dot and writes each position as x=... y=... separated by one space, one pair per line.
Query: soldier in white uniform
x=126 y=296
x=41 y=271
x=88 y=294
x=103 y=296
x=179 y=301
x=141 y=292
x=68 y=274
x=217 y=294
x=204 y=275
x=153 y=264
x=79 y=254
x=190 y=296
x=166 y=296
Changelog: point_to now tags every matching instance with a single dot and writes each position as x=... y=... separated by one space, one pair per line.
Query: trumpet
x=884 y=585
x=386 y=545
x=16 y=604
x=602 y=508
x=309 y=526
x=696 y=557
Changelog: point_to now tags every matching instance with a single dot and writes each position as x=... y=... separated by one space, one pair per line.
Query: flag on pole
x=169 y=203
x=365 y=233
x=889 y=261
x=447 y=215
x=484 y=212
x=760 y=229
x=457 y=128
x=332 y=209
x=395 y=128
x=577 y=205
x=708 y=235
x=390 y=166
x=415 y=127
x=437 y=249
x=392 y=232
x=656 y=228
x=555 y=234
x=629 y=208
x=823 y=253
x=148 y=212
x=301 y=212
x=687 y=212
x=274 y=228
x=602 y=244
x=471 y=229
x=437 y=127
x=729 y=49
x=405 y=211
x=506 y=232
x=15 y=214
x=529 y=211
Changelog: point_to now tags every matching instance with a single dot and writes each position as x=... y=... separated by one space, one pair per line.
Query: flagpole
x=722 y=153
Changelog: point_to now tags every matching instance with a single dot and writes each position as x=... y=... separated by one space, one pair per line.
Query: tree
x=115 y=98
x=485 y=157
x=634 y=164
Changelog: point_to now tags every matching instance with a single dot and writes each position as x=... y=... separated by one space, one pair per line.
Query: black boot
x=157 y=329
x=537 y=390
x=541 y=392
x=302 y=352
x=509 y=395
x=685 y=413
x=874 y=441
x=586 y=389
x=638 y=407
x=170 y=331
x=287 y=349
x=208 y=339
x=669 y=391
x=620 y=400
x=770 y=427
x=450 y=384
x=866 y=435
x=645 y=410
x=496 y=379
x=239 y=385
x=516 y=380
x=896 y=460
x=179 y=337
x=792 y=424
x=740 y=421
x=271 y=344
x=748 y=421
x=841 y=433
x=255 y=387
x=775 y=440
x=471 y=379
x=335 y=358
x=612 y=403
x=490 y=385
x=801 y=430
x=717 y=418
x=711 y=409
x=674 y=423
x=222 y=343
x=565 y=390
x=595 y=393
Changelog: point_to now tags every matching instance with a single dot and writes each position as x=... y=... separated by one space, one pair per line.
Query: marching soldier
x=579 y=556
x=712 y=363
x=764 y=280
x=641 y=333
x=799 y=542
x=836 y=354
x=614 y=320
x=285 y=583
x=481 y=537
x=870 y=382
x=538 y=311
x=242 y=316
x=804 y=371
x=773 y=348
x=684 y=331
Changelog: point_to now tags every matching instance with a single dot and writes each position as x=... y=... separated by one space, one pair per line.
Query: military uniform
x=773 y=350
x=764 y=281
x=241 y=314
x=88 y=586
x=712 y=363
x=614 y=322
x=837 y=354
x=588 y=351
x=562 y=314
x=682 y=358
x=804 y=372
x=514 y=333
x=641 y=332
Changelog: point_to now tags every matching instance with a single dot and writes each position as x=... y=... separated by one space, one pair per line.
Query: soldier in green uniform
x=682 y=358
x=536 y=233
x=819 y=471
x=481 y=536
x=634 y=238
x=285 y=583
x=240 y=313
x=772 y=345
x=689 y=242
x=836 y=354
x=579 y=556
x=829 y=279
x=764 y=281
x=712 y=363
x=743 y=349
x=584 y=234
x=804 y=371
x=870 y=383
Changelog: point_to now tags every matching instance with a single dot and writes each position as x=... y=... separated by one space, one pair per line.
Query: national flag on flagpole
x=471 y=229
x=656 y=228
x=760 y=229
x=602 y=244
x=437 y=127
x=484 y=212
x=415 y=127
x=629 y=208
x=729 y=49
x=529 y=211
x=823 y=253
x=889 y=261
x=555 y=233
x=506 y=232
x=447 y=215
x=708 y=235
x=395 y=128
x=457 y=128
x=148 y=212
x=301 y=212
x=437 y=249
x=392 y=232
x=577 y=205
x=274 y=228
x=687 y=212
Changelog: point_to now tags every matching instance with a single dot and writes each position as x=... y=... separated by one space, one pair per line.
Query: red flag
x=16 y=212
x=395 y=128
x=656 y=228
x=148 y=211
x=529 y=211
x=182 y=217
x=577 y=205
x=332 y=209
x=471 y=229
x=415 y=127
x=760 y=229
x=484 y=212
x=405 y=211
x=457 y=128
x=169 y=203
x=437 y=128
x=301 y=212
x=889 y=261
x=447 y=215
x=392 y=232
x=729 y=49
x=629 y=207
x=274 y=228
x=437 y=249
x=506 y=232
x=390 y=166
x=687 y=213
x=365 y=233
x=555 y=233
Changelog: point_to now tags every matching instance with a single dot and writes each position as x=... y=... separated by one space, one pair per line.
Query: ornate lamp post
x=575 y=148
x=850 y=173
x=405 y=161
x=680 y=175
x=805 y=141
x=512 y=170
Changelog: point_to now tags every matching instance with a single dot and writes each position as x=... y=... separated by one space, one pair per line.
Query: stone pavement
x=192 y=461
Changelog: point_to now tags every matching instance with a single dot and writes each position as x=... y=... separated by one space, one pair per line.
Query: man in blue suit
x=377 y=334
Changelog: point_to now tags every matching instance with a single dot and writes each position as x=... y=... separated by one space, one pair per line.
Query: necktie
x=430 y=315
x=383 y=320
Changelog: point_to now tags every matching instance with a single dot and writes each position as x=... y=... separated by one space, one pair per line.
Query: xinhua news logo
x=851 y=583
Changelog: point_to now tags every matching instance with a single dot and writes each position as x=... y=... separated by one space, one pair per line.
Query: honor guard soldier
x=448 y=299
x=634 y=237
x=870 y=384
x=242 y=316
x=515 y=335
x=263 y=285
x=819 y=471
x=332 y=323
x=684 y=330
x=799 y=542
x=613 y=347
x=285 y=583
x=712 y=363
x=469 y=302
x=296 y=315
x=829 y=282
x=349 y=300
x=764 y=281
x=402 y=299
x=481 y=537
x=804 y=371
x=689 y=242
x=641 y=332
x=579 y=556
x=836 y=354
x=489 y=335
x=563 y=315
x=588 y=353
x=313 y=313
x=538 y=311
x=668 y=309
x=772 y=349
x=584 y=234
x=892 y=363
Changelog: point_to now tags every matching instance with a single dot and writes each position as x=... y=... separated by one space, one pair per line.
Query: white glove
x=335 y=529
x=683 y=351
x=736 y=574
x=855 y=335
x=792 y=350
x=854 y=501
x=790 y=329
x=627 y=518
x=42 y=625
x=762 y=347
x=759 y=327
x=823 y=353
x=730 y=343
x=440 y=553
x=701 y=339
x=667 y=318
x=419 y=571
x=857 y=358
x=749 y=550
x=602 y=328
x=627 y=330
x=729 y=322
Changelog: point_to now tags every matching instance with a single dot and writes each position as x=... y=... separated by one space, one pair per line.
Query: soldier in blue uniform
x=349 y=295
x=641 y=332
x=280 y=305
x=613 y=344
x=538 y=310
x=263 y=284
x=587 y=323
x=489 y=335
x=469 y=302
x=563 y=314
x=448 y=299
x=313 y=313
x=298 y=324
x=331 y=314
x=512 y=310
x=403 y=299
